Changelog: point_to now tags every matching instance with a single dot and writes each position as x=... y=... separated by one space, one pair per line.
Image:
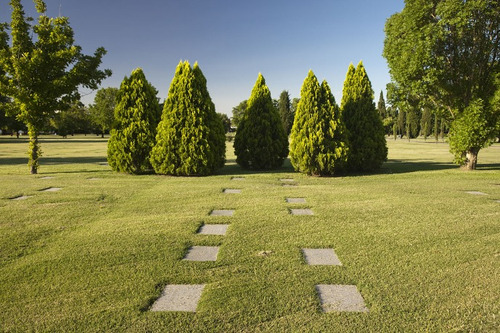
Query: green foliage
x=382 y=111
x=74 y=120
x=102 y=112
x=136 y=118
x=226 y=122
x=471 y=132
x=426 y=123
x=238 y=112
x=260 y=141
x=318 y=139
x=366 y=137
x=190 y=139
x=41 y=69
x=446 y=53
x=285 y=111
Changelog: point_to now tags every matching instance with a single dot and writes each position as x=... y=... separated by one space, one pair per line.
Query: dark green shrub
x=318 y=139
x=366 y=137
x=191 y=138
x=136 y=118
x=260 y=141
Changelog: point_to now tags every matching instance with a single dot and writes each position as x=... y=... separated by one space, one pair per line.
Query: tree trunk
x=34 y=149
x=470 y=159
x=102 y=134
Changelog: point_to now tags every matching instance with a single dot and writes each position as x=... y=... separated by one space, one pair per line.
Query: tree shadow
x=232 y=168
x=409 y=166
x=54 y=160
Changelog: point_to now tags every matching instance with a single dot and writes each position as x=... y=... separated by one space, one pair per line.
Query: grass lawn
x=95 y=255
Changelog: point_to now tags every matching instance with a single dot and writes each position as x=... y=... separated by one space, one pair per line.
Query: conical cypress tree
x=260 y=141
x=190 y=139
x=368 y=148
x=318 y=139
x=136 y=118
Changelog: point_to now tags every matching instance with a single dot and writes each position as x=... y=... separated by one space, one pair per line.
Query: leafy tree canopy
x=103 y=110
x=447 y=52
x=41 y=69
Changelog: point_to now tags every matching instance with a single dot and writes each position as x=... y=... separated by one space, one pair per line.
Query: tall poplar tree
x=318 y=139
x=136 y=117
x=382 y=111
x=368 y=148
x=191 y=138
x=42 y=69
x=260 y=141
x=285 y=111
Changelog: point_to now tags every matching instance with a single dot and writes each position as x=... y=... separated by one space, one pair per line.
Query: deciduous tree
x=102 y=112
x=447 y=52
x=42 y=69
x=285 y=111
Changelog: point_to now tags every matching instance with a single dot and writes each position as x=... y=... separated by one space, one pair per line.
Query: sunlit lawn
x=93 y=256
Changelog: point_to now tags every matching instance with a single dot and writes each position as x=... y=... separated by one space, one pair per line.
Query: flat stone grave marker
x=94 y=178
x=301 y=211
x=321 y=257
x=295 y=200
x=202 y=253
x=476 y=193
x=289 y=185
x=288 y=180
x=51 y=189
x=238 y=178
x=222 y=212
x=335 y=298
x=47 y=177
x=21 y=197
x=231 y=191
x=213 y=229
x=179 y=297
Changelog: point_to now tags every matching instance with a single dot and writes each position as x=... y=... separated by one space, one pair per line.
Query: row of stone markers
x=47 y=189
x=181 y=297
x=333 y=297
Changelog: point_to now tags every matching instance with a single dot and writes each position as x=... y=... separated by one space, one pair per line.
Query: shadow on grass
x=408 y=166
x=232 y=168
x=25 y=140
x=54 y=160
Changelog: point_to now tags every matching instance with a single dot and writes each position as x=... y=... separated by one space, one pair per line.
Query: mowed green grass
x=94 y=256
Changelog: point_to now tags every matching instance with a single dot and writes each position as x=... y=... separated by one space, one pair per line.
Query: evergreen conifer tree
x=260 y=141
x=368 y=148
x=318 y=139
x=190 y=139
x=136 y=118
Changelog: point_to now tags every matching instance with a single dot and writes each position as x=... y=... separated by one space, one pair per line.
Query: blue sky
x=231 y=40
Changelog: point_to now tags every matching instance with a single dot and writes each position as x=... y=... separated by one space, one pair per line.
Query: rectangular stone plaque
x=202 y=253
x=222 y=212
x=321 y=257
x=336 y=298
x=213 y=229
x=179 y=297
